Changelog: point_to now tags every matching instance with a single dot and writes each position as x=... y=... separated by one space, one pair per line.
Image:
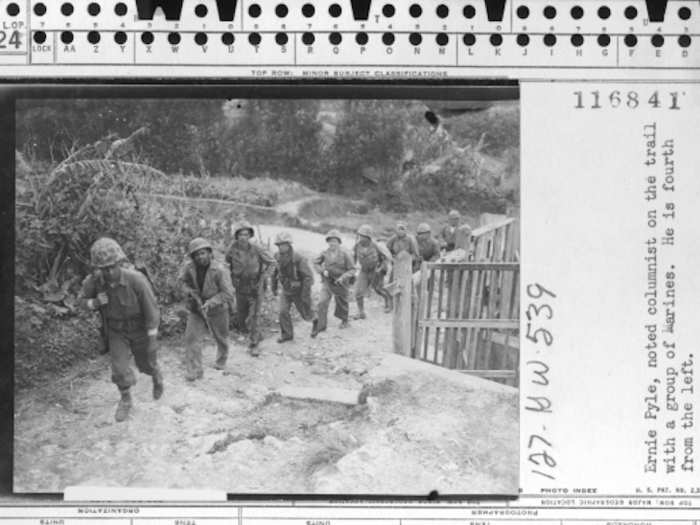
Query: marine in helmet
x=207 y=286
x=428 y=246
x=293 y=273
x=249 y=264
x=448 y=234
x=373 y=262
x=130 y=312
x=337 y=269
x=402 y=241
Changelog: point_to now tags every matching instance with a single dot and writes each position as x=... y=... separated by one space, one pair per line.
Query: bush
x=456 y=184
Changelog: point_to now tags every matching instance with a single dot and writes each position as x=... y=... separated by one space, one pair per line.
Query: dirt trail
x=422 y=427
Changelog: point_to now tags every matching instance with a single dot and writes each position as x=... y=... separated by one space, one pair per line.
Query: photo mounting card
x=554 y=331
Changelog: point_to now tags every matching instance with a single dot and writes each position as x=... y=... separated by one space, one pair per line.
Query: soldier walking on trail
x=249 y=263
x=293 y=272
x=428 y=246
x=336 y=268
x=402 y=241
x=207 y=285
x=448 y=234
x=373 y=261
x=131 y=315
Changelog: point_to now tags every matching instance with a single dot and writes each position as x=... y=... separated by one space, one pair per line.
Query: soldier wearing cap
x=428 y=246
x=336 y=268
x=448 y=234
x=207 y=285
x=249 y=264
x=373 y=261
x=293 y=272
x=130 y=311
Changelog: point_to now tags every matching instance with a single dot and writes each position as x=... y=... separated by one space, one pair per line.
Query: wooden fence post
x=403 y=277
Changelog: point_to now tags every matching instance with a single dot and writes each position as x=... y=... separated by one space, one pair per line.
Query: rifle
x=101 y=287
x=199 y=310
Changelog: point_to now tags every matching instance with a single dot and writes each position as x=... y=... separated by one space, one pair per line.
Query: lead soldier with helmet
x=293 y=272
x=207 y=285
x=130 y=311
x=249 y=264
x=373 y=261
x=336 y=268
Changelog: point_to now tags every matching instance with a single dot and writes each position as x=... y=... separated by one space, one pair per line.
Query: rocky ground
x=421 y=428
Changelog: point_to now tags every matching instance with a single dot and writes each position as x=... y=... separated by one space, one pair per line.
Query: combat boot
x=388 y=305
x=124 y=406
x=314 y=328
x=157 y=384
x=253 y=348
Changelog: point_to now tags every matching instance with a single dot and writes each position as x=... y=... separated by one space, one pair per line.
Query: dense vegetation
x=382 y=150
x=83 y=167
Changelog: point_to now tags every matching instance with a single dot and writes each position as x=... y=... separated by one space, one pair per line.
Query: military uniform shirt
x=130 y=298
x=337 y=262
x=449 y=236
x=369 y=257
x=407 y=243
x=429 y=249
x=247 y=263
x=216 y=287
x=292 y=269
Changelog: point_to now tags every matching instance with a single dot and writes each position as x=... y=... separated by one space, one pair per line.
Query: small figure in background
x=249 y=264
x=293 y=272
x=337 y=269
x=428 y=246
x=373 y=262
x=402 y=241
x=448 y=234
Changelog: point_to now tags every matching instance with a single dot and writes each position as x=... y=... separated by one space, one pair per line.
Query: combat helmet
x=243 y=225
x=423 y=227
x=198 y=244
x=106 y=252
x=282 y=238
x=333 y=234
x=454 y=214
x=365 y=230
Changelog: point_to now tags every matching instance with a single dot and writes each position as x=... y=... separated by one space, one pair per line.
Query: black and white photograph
x=267 y=296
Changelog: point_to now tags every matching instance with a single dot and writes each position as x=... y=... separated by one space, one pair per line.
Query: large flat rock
x=324 y=394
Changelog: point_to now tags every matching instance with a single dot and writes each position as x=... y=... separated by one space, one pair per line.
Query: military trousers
x=248 y=303
x=124 y=343
x=303 y=303
x=328 y=291
x=196 y=330
x=374 y=280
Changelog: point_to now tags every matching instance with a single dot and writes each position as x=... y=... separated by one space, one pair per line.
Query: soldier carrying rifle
x=207 y=285
x=249 y=264
x=337 y=269
x=373 y=261
x=294 y=274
